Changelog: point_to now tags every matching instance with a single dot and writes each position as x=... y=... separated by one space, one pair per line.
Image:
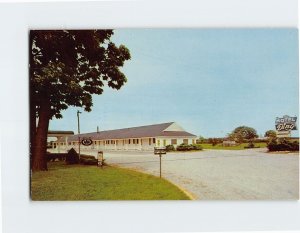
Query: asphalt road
x=221 y=174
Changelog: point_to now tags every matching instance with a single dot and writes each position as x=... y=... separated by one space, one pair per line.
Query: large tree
x=242 y=133
x=271 y=134
x=66 y=68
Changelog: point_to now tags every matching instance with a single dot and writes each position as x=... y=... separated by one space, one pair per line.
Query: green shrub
x=89 y=161
x=170 y=148
x=87 y=157
x=185 y=147
x=197 y=147
x=283 y=145
x=72 y=157
x=54 y=156
x=250 y=145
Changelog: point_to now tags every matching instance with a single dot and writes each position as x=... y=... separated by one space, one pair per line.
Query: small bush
x=250 y=145
x=170 y=148
x=89 y=161
x=56 y=156
x=197 y=147
x=283 y=145
x=72 y=157
x=87 y=157
x=185 y=147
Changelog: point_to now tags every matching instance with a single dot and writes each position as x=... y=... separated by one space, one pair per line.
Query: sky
x=209 y=81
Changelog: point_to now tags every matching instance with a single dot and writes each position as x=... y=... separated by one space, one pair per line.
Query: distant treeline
x=215 y=141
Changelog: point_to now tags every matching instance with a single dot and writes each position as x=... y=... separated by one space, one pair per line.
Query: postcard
x=164 y=114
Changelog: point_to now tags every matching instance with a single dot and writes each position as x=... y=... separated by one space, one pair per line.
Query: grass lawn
x=238 y=147
x=82 y=182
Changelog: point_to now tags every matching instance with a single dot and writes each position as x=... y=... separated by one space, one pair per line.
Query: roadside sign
x=283 y=134
x=86 y=141
x=285 y=123
x=160 y=150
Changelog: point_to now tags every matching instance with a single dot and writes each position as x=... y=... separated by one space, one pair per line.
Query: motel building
x=142 y=138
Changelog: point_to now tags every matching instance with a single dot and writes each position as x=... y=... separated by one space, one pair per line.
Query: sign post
x=160 y=151
x=78 y=127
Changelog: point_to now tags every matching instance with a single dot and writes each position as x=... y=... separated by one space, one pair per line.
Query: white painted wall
x=168 y=140
x=123 y=144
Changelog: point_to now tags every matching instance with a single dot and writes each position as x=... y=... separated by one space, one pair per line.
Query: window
x=174 y=141
x=137 y=141
x=153 y=140
x=193 y=141
x=133 y=141
x=149 y=141
x=128 y=141
x=186 y=141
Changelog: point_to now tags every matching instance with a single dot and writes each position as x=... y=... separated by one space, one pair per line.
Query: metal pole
x=159 y=165
x=78 y=126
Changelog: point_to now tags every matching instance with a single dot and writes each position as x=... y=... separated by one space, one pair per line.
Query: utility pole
x=78 y=127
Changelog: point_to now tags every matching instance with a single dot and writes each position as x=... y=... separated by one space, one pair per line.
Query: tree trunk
x=39 y=162
x=32 y=117
x=32 y=101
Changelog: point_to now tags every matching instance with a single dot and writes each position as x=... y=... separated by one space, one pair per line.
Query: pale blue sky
x=207 y=80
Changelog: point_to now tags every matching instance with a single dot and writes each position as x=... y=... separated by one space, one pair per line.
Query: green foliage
x=79 y=182
x=283 y=145
x=241 y=146
x=88 y=160
x=271 y=134
x=56 y=156
x=185 y=147
x=250 y=145
x=201 y=139
x=72 y=157
x=87 y=157
x=68 y=66
x=197 y=147
x=243 y=133
x=215 y=141
x=170 y=148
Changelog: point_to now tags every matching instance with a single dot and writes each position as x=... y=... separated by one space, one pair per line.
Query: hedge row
x=73 y=158
x=283 y=145
x=53 y=156
x=184 y=147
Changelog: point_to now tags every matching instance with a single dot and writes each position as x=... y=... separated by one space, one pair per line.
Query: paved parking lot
x=221 y=174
